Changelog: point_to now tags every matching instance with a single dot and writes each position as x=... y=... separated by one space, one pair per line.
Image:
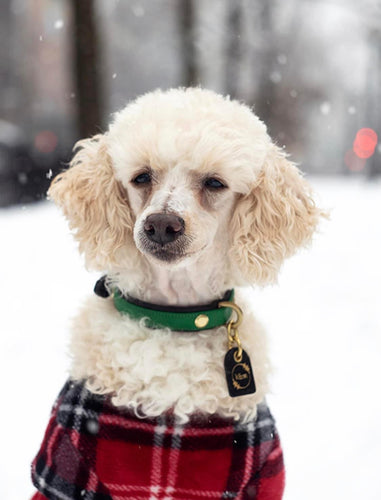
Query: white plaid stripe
x=157 y=487
x=173 y=461
x=79 y=414
x=52 y=490
x=123 y=492
x=157 y=454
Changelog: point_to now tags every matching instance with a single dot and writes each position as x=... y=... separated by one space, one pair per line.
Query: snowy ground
x=324 y=321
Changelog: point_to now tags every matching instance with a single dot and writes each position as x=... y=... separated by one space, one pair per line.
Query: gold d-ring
x=233 y=337
x=234 y=324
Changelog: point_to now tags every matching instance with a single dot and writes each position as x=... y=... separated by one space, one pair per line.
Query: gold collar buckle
x=232 y=329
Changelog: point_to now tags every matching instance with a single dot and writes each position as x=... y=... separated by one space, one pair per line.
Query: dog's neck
x=197 y=282
x=185 y=286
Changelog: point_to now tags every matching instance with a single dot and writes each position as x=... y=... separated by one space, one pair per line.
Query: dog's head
x=178 y=174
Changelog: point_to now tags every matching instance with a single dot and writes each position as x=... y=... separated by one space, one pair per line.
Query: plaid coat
x=95 y=451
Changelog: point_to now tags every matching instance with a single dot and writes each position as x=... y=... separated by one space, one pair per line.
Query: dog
x=183 y=199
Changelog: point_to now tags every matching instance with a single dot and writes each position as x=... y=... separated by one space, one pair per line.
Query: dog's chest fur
x=157 y=370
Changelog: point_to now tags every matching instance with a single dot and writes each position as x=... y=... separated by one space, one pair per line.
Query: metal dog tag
x=239 y=373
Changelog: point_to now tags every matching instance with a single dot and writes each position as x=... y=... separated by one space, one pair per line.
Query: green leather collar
x=186 y=319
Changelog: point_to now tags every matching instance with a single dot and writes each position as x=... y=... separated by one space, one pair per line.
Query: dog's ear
x=94 y=202
x=273 y=220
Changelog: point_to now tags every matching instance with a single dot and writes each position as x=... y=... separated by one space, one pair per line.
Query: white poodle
x=184 y=198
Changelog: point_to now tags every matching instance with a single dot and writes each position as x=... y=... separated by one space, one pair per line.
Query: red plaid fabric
x=94 y=451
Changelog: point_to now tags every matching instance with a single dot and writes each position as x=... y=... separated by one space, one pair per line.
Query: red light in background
x=46 y=141
x=365 y=143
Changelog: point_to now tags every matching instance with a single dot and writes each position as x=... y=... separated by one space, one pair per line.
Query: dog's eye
x=213 y=183
x=144 y=178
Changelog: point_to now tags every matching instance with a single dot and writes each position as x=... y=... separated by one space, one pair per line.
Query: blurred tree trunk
x=233 y=47
x=87 y=68
x=186 y=19
x=373 y=97
x=5 y=51
x=273 y=101
x=267 y=91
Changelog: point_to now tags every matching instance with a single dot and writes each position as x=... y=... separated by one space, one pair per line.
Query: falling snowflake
x=138 y=10
x=352 y=110
x=58 y=24
x=22 y=178
x=282 y=59
x=114 y=75
x=325 y=108
x=275 y=77
x=92 y=426
x=49 y=174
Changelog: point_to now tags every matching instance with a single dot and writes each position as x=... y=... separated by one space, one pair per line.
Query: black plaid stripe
x=80 y=409
x=248 y=436
x=47 y=479
x=266 y=437
x=50 y=484
x=75 y=415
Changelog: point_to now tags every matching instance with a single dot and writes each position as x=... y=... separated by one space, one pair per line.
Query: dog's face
x=179 y=211
x=183 y=166
x=180 y=173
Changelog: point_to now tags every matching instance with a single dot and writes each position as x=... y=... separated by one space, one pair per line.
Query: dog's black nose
x=163 y=228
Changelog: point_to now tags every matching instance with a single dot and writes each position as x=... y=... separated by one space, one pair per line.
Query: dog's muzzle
x=163 y=228
x=163 y=236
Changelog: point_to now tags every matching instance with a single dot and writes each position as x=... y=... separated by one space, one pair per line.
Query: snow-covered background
x=324 y=323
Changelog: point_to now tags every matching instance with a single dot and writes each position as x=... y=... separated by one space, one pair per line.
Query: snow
x=276 y=77
x=282 y=59
x=138 y=10
x=325 y=108
x=323 y=320
x=58 y=24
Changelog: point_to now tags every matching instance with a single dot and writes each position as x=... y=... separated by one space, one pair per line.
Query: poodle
x=183 y=199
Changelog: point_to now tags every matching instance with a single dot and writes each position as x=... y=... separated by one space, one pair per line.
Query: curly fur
x=155 y=371
x=94 y=203
x=238 y=236
x=273 y=220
